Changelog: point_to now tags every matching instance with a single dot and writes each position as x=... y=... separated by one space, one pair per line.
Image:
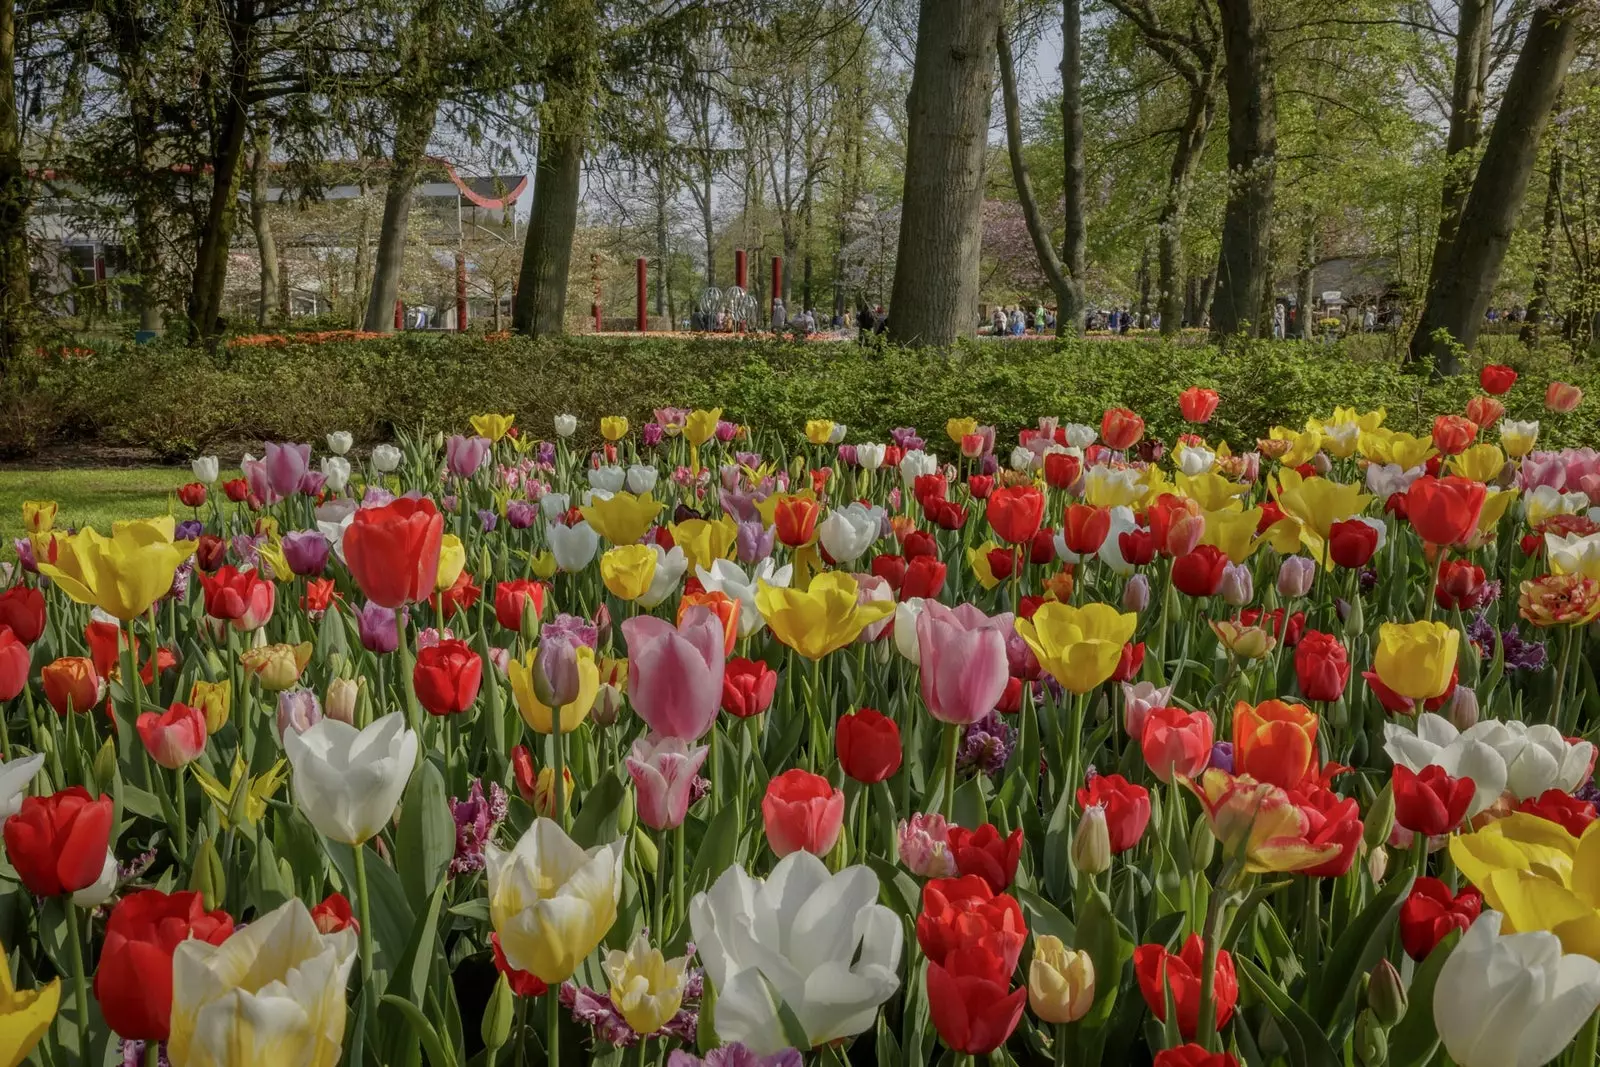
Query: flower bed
x=716 y=743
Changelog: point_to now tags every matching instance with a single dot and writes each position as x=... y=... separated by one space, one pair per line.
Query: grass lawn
x=91 y=496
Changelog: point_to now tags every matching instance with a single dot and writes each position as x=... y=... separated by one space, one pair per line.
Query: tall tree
x=1245 y=265
x=14 y=196
x=936 y=282
x=261 y=223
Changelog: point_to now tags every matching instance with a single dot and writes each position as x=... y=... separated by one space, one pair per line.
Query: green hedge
x=178 y=401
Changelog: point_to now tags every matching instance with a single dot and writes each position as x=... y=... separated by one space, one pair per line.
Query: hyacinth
x=1559 y=600
x=1520 y=654
x=735 y=1055
x=476 y=818
x=594 y=1009
x=180 y=579
x=985 y=746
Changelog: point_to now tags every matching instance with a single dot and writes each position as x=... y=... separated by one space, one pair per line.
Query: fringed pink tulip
x=675 y=673
x=663 y=771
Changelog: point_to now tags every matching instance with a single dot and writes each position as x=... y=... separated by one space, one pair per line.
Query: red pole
x=740 y=269
x=399 y=315
x=461 y=291
x=777 y=279
x=644 y=309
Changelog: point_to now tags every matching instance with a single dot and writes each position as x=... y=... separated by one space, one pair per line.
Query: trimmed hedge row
x=178 y=401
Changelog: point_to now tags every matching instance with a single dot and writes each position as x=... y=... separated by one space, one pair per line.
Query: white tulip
x=670 y=568
x=348 y=781
x=99 y=891
x=818 y=941
x=386 y=459
x=1194 y=460
x=15 y=777
x=610 y=479
x=339 y=442
x=1511 y=1000
x=1514 y=430
x=1343 y=434
x=1384 y=480
x=591 y=495
x=551 y=901
x=916 y=462
x=1022 y=458
x=836 y=435
x=573 y=546
x=641 y=479
x=205 y=468
x=905 y=628
x=333 y=519
x=1122 y=521
x=337 y=470
x=728 y=578
x=870 y=457
x=1078 y=435
x=1537 y=757
x=1573 y=553
x=273 y=992
x=849 y=531
x=555 y=505
x=566 y=425
x=1546 y=500
x=1438 y=743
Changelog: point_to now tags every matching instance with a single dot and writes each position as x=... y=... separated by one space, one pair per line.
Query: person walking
x=1279 y=321
x=780 y=316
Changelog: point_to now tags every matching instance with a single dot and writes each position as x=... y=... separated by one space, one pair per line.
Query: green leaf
x=896 y=888
x=1415 y=1038
x=1101 y=936
x=596 y=823
x=718 y=849
x=970 y=810
x=1057 y=843
x=437 y=1054
x=426 y=838
x=1307 y=1045
x=1044 y=917
x=390 y=912
x=1355 y=953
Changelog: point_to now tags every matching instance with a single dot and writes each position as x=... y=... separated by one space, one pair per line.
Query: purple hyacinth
x=180 y=580
x=476 y=817
x=1520 y=654
x=985 y=746
x=132 y=1053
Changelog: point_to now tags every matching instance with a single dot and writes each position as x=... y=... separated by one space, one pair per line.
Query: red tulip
x=1138 y=547
x=919 y=543
x=985 y=853
x=1444 y=511
x=1042 y=551
x=1331 y=820
x=133 y=982
x=928 y=487
x=318 y=595
x=1200 y=572
x=393 y=551
x=174 y=737
x=945 y=514
x=512 y=595
x=890 y=568
x=192 y=495
x=1193 y=1056
x=1321 y=667
x=447 y=676
x=1462 y=585
x=1275 y=742
x=1159 y=971
x=1287 y=631
x=1497 y=378
x=1352 y=542
x=1016 y=513
x=1129 y=662
x=22 y=610
x=748 y=686
x=1484 y=410
x=1197 y=405
x=868 y=744
x=237 y=490
x=58 y=843
x=979 y=486
x=1430 y=803
x=1121 y=429
x=965 y=912
x=522 y=983
x=1062 y=470
x=1430 y=912
x=924 y=578
x=1084 y=528
x=243 y=598
x=1572 y=814
x=973 y=1012
x=1176 y=743
x=13 y=665
x=802 y=811
x=210 y=552
x=334 y=914
x=1127 y=808
x=523 y=773
x=71 y=682
x=1452 y=434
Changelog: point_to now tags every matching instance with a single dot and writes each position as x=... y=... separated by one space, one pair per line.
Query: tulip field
x=658 y=739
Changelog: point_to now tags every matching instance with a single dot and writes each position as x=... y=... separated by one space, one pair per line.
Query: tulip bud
x=1378 y=864
x=105 y=765
x=1295 y=575
x=1202 y=844
x=645 y=849
x=1322 y=463
x=1386 y=994
x=497 y=1016
x=555 y=678
x=1355 y=621
x=627 y=811
x=1380 y=818
x=1136 y=594
x=208 y=878
x=544 y=794
x=607 y=705
x=1372 y=1041
x=1238 y=587
x=1091 y=845
x=341 y=698
x=1462 y=710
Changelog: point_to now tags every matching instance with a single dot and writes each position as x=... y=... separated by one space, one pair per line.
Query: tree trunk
x=1075 y=246
x=1547 y=250
x=1471 y=267
x=661 y=239
x=1175 y=207
x=1143 y=320
x=216 y=237
x=1466 y=124
x=1305 y=281
x=1191 y=302
x=1068 y=289
x=541 y=305
x=261 y=223
x=411 y=138
x=1242 y=268
x=147 y=198
x=1208 y=294
x=935 y=296
x=14 y=303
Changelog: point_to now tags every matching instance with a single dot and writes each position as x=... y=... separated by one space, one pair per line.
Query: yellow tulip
x=274 y=564
x=646 y=987
x=701 y=426
x=551 y=902
x=1416 y=659
x=822 y=618
x=452 y=561
x=623 y=518
x=959 y=428
x=1080 y=647
x=276 y=666
x=1539 y=876
x=628 y=569
x=819 y=430
x=1316 y=504
x=542 y=564
x=1363 y=422
x=273 y=992
x=1245 y=642
x=1111 y=487
x=244 y=799
x=614 y=427
x=24 y=1016
x=1060 y=981
x=1258 y=823
x=1496 y=502
x=982 y=569
x=123 y=574
x=38 y=516
x=1210 y=490
x=1481 y=463
x=1402 y=449
x=544 y=792
x=215 y=699
x=704 y=541
x=493 y=427
x=1302 y=445
x=1234 y=532
x=535 y=712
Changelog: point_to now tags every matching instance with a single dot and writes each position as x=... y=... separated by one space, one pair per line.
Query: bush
x=178 y=401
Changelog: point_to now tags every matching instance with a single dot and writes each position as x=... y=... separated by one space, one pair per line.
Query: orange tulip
x=724 y=607
x=1562 y=397
x=1484 y=410
x=796 y=520
x=70 y=683
x=1452 y=434
x=1275 y=742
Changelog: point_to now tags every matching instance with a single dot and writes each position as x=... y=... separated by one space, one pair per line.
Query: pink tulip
x=286 y=466
x=1583 y=467
x=173 y=737
x=963 y=657
x=1543 y=468
x=1140 y=700
x=464 y=455
x=255 y=472
x=663 y=771
x=675 y=673
x=870 y=587
x=925 y=847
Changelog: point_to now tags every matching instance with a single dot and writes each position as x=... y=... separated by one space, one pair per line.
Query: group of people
x=1015 y=320
x=1116 y=320
x=803 y=324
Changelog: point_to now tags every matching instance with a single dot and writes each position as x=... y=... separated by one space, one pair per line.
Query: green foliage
x=179 y=402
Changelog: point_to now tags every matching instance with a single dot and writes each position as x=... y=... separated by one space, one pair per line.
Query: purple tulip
x=311 y=483
x=298 y=710
x=748 y=459
x=260 y=479
x=520 y=514
x=306 y=552
x=906 y=437
x=376 y=496
x=1136 y=594
x=652 y=434
x=754 y=542
x=464 y=455
x=1238 y=587
x=571 y=628
x=964 y=663
x=675 y=672
x=285 y=465
x=375 y=623
x=734 y=1055
x=1294 y=576
x=488 y=520
x=555 y=676
x=188 y=530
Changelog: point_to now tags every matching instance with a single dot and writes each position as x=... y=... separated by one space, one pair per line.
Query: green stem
x=952 y=742
x=1207 y=1033
x=366 y=921
x=407 y=665
x=716 y=779
x=552 y=1013
x=659 y=928
x=1061 y=1045
x=152 y=1054
x=679 y=876
x=80 y=980
x=182 y=829
x=558 y=775
x=1584 y=1047
x=1419 y=850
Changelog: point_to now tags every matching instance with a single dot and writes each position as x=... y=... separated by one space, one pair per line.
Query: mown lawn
x=91 y=496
